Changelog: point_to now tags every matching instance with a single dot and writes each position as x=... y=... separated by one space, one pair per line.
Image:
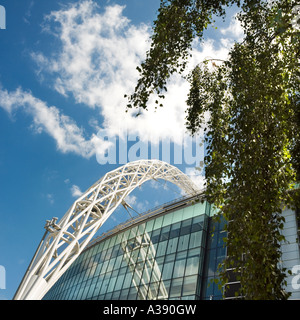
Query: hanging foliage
x=253 y=131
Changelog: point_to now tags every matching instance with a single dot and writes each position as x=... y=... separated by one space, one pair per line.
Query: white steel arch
x=65 y=240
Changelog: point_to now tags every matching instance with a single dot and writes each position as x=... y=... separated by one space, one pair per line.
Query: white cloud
x=50 y=198
x=96 y=64
x=98 y=55
x=196 y=176
x=131 y=199
x=234 y=30
x=68 y=136
x=75 y=191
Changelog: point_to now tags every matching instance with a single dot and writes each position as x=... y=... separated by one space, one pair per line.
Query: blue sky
x=64 y=69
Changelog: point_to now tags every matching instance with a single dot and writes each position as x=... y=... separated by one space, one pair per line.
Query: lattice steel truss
x=65 y=240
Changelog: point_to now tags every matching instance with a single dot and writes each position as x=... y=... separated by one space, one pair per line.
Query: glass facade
x=171 y=255
x=215 y=254
x=161 y=258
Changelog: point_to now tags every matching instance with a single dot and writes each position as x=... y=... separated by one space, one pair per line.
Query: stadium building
x=171 y=252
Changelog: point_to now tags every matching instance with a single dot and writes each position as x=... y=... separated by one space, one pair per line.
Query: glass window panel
x=110 y=265
x=104 y=286
x=115 y=295
x=115 y=272
x=222 y=224
x=161 y=249
x=179 y=268
x=76 y=291
x=118 y=262
x=126 y=235
x=97 y=257
x=172 y=246
x=175 y=229
x=194 y=252
x=175 y=290
x=106 y=243
x=115 y=251
x=94 y=250
x=112 y=242
x=127 y=280
x=93 y=270
x=132 y=295
x=167 y=219
x=164 y=289
x=97 y=271
x=183 y=242
x=80 y=293
x=124 y=294
x=100 y=246
x=198 y=223
x=149 y=225
x=213 y=240
x=141 y=228
x=155 y=236
x=122 y=271
x=153 y=290
x=221 y=251
x=134 y=255
x=196 y=239
x=181 y=255
x=143 y=253
x=192 y=266
x=142 y=292
x=200 y=208
x=137 y=276
x=177 y=216
x=221 y=242
x=188 y=212
x=185 y=227
x=130 y=244
x=165 y=232
x=158 y=223
x=118 y=239
x=167 y=270
x=98 y=285
x=133 y=232
x=160 y=261
x=111 y=284
x=147 y=272
x=104 y=267
x=212 y=262
x=103 y=254
x=124 y=260
x=146 y=238
x=90 y=291
x=189 y=285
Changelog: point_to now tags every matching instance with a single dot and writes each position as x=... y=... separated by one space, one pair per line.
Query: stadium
x=169 y=253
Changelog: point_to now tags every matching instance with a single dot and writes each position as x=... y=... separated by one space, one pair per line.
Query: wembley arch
x=63 y=241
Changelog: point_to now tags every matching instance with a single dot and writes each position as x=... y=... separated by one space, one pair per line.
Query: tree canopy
x=253 y=132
